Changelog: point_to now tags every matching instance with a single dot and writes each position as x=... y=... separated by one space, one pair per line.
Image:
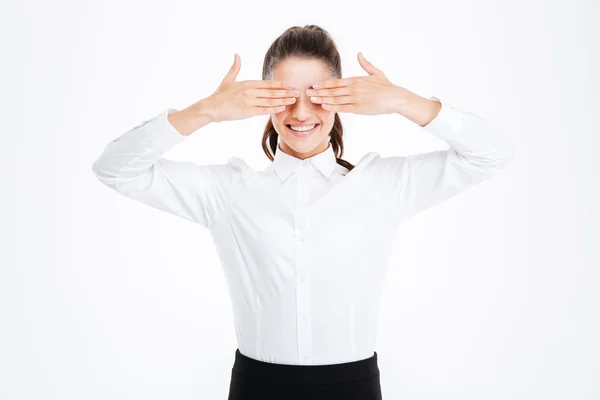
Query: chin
x=303 y=145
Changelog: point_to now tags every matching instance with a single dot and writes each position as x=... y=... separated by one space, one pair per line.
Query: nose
x=303 y=107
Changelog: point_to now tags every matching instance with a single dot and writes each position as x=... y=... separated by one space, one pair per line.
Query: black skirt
x=258 y=380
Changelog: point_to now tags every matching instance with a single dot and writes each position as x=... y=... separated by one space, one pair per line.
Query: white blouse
x=304 y=244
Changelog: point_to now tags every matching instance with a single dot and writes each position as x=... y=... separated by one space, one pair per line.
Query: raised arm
x=477 y=150
x=132 y=165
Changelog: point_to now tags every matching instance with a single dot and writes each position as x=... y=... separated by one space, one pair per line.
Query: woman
x=304 y=243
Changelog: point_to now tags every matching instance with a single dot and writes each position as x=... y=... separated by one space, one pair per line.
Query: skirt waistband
x=306 y=374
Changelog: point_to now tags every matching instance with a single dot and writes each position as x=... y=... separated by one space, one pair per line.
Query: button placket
x=302 y=282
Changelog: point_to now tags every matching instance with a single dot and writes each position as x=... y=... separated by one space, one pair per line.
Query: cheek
x=277 y=121
x=326 y=117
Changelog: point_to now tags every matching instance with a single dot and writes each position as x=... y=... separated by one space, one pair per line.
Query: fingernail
x=315 y=86
x=291 y=86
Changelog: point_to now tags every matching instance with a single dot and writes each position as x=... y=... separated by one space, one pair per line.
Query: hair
x=309 y=42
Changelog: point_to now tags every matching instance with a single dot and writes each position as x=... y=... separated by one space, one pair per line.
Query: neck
x=282 y=146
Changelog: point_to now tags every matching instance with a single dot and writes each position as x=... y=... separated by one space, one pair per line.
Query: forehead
x=301 y=72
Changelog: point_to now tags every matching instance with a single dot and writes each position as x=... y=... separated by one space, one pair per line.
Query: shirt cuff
x=161 y=133
x=169 y=127
x=471 y=135
x=449 y=119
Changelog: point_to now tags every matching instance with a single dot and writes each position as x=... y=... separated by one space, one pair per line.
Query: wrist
x=189 y=120
x=418 y=109
x=202 y=111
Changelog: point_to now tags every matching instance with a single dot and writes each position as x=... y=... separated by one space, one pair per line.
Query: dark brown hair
x=313 y=42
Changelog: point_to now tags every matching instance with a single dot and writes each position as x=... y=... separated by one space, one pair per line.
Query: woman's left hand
x=369 y=95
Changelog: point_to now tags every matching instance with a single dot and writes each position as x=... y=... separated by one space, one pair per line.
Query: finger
x=333 y=100
x=337 y=108
x=267 y=102
x=367 y=66
x=267 y=84
x=233 y=71
x=273 y=93
x=331 y=83
x=267 y=110
x=341 y=91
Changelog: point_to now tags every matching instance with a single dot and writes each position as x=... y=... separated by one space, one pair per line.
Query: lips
x=303 y=133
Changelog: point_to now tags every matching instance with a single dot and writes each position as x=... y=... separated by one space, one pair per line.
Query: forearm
x=418 y=109
x=478 y=141
x=132 y=154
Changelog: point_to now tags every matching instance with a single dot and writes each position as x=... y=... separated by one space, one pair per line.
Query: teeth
x=302 y=128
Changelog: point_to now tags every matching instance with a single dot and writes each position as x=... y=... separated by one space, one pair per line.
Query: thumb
x=233 y=71
x=367 y=66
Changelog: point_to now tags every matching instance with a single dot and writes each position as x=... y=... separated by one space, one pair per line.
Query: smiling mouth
x=303 y=133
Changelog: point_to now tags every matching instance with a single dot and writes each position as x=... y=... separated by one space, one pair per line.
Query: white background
x=490 y=295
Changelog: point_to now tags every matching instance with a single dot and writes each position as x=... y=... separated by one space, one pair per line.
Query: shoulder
x=242 y=169
x=373 y=163
x=368 y=158
x=238 y=164
x=360 y=167
x=374 y=168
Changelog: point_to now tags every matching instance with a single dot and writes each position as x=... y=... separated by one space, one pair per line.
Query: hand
x=369 y=95
x=239 y=100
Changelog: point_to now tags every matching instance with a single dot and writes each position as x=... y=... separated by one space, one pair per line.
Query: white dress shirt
x=304 y=244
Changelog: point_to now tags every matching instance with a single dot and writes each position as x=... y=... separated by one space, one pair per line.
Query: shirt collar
x=285 y=164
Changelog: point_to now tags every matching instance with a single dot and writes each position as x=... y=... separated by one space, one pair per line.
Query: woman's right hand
x=239 y=100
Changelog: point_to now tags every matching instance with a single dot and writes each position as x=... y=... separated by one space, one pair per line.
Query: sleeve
x=477 y=150
x=132 y=165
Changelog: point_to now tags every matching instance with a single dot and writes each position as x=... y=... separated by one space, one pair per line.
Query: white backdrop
x=490 y=295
